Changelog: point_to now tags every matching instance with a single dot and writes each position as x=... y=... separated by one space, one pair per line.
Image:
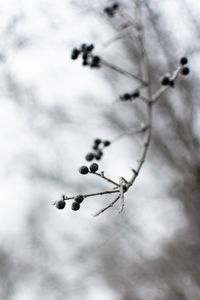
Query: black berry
x=171 y=83
x=136 y=94
x=85 y=63
x=109 y=11
x=98 y=156
x=78 y=199
x=95 y=147
x=89 y=156
x=115 y=6
x=97 y=142
x=125 y=97
x=83 y=47
x=60 y=204
x=85 y=56
x=75 y=206
x=165 y=80
x=106 y=143
x=83 y=170
x=183 y=60
x=75 y=53
x=90 y=48
x=94 y=167
x=185 y=71
x=95 y=61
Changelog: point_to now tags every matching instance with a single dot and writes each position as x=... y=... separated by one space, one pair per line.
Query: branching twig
x=108 y=206
x=95 y=194
x=121 y=71
x=107 y=179
x=123 y=186
x=130 y=131
x=156 y=96
x=145 y=148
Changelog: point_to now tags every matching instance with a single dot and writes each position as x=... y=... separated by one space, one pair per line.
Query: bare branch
x=95 y=194
x=121 y=71
x=130 y=131
x=121 y=195
x=108 y=206
x=106 y=178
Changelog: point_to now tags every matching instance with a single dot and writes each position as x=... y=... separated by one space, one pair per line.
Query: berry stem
x=108 y=206
x=106 y=178
x=97 y=194
x=156 y=96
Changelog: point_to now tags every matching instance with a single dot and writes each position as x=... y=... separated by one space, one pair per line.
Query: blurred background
x=52 y=108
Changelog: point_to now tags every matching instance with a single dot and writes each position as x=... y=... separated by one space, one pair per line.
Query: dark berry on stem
x=165 y=80
x=85 y=56
x=75 y=206
x=115 y=6
x=83 y=170
x=136 y=94
x=95 y=61
x=75 y=53
x=109 y=11
x=94 y=167
x=183 y=60
x=185 y=71
x=83 y=47
x=97 y=141
x=98 y=156
x=79 y=198
x=60 y=204
x=100 y=152
x=89 y=156
x=106 y=143
x=90 y=47
x=95 y=147
x=126 y=96
x=171 y=83
x=85 y=63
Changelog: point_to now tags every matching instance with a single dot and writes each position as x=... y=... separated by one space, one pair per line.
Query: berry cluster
x=97 y=148
x=88 y=59
x=185 y=70
x=166 y=80
x=111 y=10
x=129 y=97
x=93 y=168
x=77 y=201
x=60 y=204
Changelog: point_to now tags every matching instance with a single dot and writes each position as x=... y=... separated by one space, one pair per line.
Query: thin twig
x=106 y=178
x=145 y=100
x=149 y=104
x=121 y=71
x=128 y=18
x=122 y=33
x=130 y=131
x=108 y=206
x=94 y=194
x=121 y=195
x=144 y=152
